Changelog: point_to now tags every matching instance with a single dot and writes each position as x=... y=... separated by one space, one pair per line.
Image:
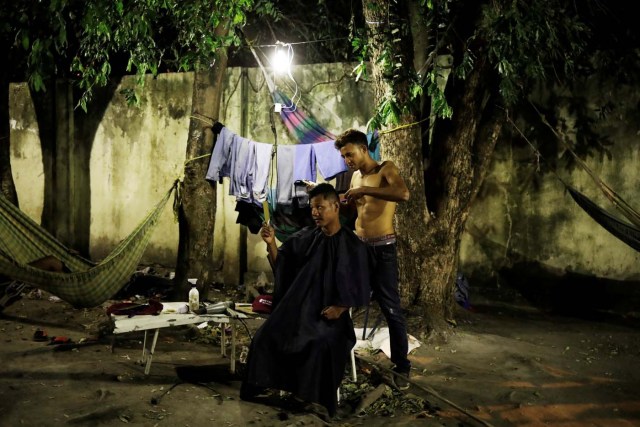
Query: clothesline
x=247 y=165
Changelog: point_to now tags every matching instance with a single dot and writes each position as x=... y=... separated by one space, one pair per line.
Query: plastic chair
x=354 y=375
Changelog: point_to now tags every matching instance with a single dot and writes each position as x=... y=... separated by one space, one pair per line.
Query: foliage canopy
x=88 y=40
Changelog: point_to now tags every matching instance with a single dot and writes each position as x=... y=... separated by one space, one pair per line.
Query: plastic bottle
x=194 y=299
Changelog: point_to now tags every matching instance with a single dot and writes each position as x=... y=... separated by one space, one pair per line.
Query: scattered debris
x=369 y=398
x=96 y=416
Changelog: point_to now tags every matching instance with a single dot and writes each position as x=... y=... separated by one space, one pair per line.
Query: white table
x=170 y=317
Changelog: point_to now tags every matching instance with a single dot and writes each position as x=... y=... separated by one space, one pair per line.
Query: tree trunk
x=459 y=161
x=404 y=148
x=66 y=138
x=7 y=187
x=44 y=105
x=428 y=249
x=85 y=128
x=196 y=214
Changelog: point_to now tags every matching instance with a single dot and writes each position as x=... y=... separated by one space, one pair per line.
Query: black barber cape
x=296 y=349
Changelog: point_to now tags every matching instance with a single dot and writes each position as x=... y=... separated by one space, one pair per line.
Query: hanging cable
x=274 y=157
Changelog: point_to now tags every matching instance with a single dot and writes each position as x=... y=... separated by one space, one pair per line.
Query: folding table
x=170 y=317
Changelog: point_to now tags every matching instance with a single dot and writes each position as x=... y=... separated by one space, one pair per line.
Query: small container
x=194 y=299
x=215 y=308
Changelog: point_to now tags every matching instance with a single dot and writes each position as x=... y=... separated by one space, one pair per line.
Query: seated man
x=320 y=272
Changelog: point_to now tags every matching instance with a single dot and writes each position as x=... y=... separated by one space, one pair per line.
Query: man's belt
x=386 y=239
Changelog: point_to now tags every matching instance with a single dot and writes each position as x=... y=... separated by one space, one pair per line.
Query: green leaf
x=36 y=82
x=25 y=41
x=62 y=39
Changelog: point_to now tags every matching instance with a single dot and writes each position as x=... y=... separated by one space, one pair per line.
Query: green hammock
x=23 y=241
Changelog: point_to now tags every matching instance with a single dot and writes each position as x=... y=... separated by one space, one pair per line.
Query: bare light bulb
x=281 y=61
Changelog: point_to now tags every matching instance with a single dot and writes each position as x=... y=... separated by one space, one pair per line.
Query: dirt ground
x=505 y=363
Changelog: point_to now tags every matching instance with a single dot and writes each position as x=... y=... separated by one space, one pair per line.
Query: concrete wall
x=137 y=154
x=139 y=151
x=528 y=214
x=26 y=155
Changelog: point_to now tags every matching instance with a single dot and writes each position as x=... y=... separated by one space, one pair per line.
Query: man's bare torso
x=375 y=216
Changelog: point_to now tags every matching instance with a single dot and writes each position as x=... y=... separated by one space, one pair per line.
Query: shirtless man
x=375 y=189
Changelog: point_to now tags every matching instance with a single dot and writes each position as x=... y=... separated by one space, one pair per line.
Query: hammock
x=303 y=127
x=88 y=284
x=628 y=233
x=306 y=129
x=623 y=231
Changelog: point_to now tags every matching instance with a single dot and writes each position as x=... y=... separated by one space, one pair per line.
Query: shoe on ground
x=401 y=380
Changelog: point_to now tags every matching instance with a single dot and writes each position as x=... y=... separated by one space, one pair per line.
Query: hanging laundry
x=373 y=141
x=220 y=163
x=304 y=169
x=249 y=215
x=241 y=161
x=343 y=182
x=245 y=162
x=294 y=162
x=285 y=157
x=261 y=171
x=248 y=163
x=330 y=161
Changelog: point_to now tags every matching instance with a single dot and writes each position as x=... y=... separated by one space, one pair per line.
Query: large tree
x=159 y=35
x=88 y=43
x=28 y=56
x=496 y=51
x=93 y=43
x=38 y=40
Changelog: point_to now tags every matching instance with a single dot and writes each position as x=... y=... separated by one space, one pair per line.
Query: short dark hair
x=351 y=136
x=326 y=191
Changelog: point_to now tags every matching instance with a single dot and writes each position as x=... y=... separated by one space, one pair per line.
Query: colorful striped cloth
x=303 y=127
x=307 y=130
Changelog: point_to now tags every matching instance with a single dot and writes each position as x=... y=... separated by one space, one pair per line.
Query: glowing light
x=282 y=58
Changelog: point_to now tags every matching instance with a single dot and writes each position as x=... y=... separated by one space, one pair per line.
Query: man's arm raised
x=392 y=175
x=268 y=234
x=396 y=191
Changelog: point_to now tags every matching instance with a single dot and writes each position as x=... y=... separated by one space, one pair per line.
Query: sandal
x=40 y=335
x=60 y=340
